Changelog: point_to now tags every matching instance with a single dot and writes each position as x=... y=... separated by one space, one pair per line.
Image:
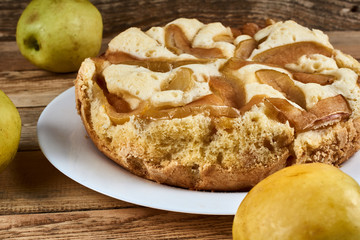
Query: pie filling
x=226 y=93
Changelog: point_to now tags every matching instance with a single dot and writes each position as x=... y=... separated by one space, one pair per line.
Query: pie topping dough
x=208 y=107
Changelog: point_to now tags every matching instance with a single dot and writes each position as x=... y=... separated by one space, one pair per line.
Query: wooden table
x=39 y=202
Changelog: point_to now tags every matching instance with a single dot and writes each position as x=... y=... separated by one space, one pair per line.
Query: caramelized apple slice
x=153 y=64
x=117 y=109
x=245 y=48
x=225 y=89
x=119 y=104
x=211 y=105
x=299 y=119
x=290 y=53
x=250 y=29
x=325 y=112
x=332 y=109
x=255 y=100
x=235 y=32
x=123 y=117
x=179 y=63
x=119 y=57
x=158 y=65
x=321 y=79
x=165 y=65
x=238 y=93
x=234 y=64
x=176 y=41
x=223 y=38
x=211 y=99
x=182 y=80
x=283 y=83
x=269 y=22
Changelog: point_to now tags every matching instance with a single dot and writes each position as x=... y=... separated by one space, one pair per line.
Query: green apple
x=309 y=201
x=10 y=130
x=57 y=35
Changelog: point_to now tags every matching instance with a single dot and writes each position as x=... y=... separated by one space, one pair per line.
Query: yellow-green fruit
x=57 y=35
x=309 y=201
x=10 y=130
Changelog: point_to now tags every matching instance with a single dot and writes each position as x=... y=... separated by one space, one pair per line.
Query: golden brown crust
x=216 y=153
x=215 y=177
x=344 y=141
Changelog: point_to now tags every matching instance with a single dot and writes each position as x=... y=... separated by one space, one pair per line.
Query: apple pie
x=208 y=107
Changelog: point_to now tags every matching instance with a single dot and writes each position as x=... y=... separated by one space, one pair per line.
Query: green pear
x=10 y=130
x=57 y=35
x=308 y=201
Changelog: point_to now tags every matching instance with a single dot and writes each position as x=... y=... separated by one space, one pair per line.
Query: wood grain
x=30 y=184
x=326 y=15
x=29 y=117
x=39 y=202
x=346 y=41
x=138 y=223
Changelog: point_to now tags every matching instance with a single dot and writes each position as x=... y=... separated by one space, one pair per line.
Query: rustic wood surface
x=39 y=202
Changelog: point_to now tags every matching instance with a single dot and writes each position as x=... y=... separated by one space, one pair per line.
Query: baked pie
x=209 y=107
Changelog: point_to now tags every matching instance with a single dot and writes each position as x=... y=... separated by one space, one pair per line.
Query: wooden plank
x=29 y=117
x=12 y=60
x=30 y=184
x=118 y=15
x=348 y=42
x=34 y=88
x=26 y=84
x=137 y=223
x=39 y=202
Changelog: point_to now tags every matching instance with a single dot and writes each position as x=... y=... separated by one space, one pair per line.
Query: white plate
x=64 y=142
